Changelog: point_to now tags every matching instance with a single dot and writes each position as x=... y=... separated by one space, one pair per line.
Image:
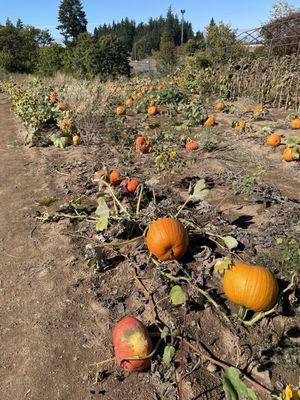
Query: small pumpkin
x=152 y=88
x=115 y=178
x=273 y=140
x=66 y=125
x=132 y=185
x=295 y=123
x=167 y=239
x=192 y=145
x=142 y=145
x=291 y=153
x=240 y=126
x=219 y=106
x=61 y=105
x=210 y=121
x=121 y=110
x=160 y=87
x=253 y=287
x=152 y=110
x=76 y=139
x=128 y=102
x=134 y=96
x=131 y=339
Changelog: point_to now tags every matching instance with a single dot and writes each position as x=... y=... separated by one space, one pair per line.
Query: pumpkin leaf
x=169 y=353
x=200 y=190
x=230 y=242
x=222 y=265
x=178 y=295
x=165 y=332
x=46 y=201
x=234 y=388
x=102 y=213
x=60 y=141
x=293 y=140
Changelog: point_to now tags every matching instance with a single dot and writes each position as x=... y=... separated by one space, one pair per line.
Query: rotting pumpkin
x=252 y=287
x=167 y=239
x=131 y=339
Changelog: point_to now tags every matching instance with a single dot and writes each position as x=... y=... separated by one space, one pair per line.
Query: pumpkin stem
x=242 y=313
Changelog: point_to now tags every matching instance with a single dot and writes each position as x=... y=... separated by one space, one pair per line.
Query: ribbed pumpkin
x=250 y=286
x=210 y=121
x=192 y=145
x=295 y=123
x=167 y=239
x=121 y=110
x=131 y=339
x=273 y=140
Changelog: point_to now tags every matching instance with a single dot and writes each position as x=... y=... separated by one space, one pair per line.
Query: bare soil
x=57 y=314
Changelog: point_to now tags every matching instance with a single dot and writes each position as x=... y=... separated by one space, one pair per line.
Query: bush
x=49 y=59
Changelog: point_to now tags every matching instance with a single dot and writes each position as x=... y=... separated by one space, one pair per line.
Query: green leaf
x=230 y=242
x=165 y=332
x=200 y=190
x=178 y=295
x=234 y=388
x=222 y=265
x=102 y=212
x=293 y=140
x=169 y=353
x=46 y=201
x=60 y=141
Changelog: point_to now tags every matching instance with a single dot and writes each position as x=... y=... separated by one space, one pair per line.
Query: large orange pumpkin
x=131 y=339
x=273 y=140
x=295 y=123
x=167 y=239
x=250 y=286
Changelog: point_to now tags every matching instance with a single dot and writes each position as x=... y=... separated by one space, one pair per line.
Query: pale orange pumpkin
x=76 y=139
x=128 y=102
x=258 y=109
x=252 y=287
x=167 y=239
x=273 y=140
x=295 y=123
x=219 y=106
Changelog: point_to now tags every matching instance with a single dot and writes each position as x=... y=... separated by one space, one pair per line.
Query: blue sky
x=240 y=13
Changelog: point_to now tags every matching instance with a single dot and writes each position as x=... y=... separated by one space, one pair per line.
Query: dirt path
x=45 y=324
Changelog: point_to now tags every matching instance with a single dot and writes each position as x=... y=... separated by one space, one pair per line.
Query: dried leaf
x=102 y=212
x=222 y=265
x=153 y=181
x=200 y=190
x=230 y=242
x=178 y=295
x=169 y=353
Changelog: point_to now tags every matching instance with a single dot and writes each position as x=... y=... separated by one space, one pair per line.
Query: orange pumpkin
x=152 y=110
x=250 y=286
x=115 y=178
x=132 y=185
x=258 y=109
x=240 y=126
x=121 y=110
x=53 y=97
x=131 y=339
x=152 y=88
x=142 y=145
x=273 y=140
x=128 y=102
x=295 y=123
x=76 y=140
x=291 y=153
x=210 y=121
x=160 y=87
x=66 y=125
x=220 y=105
x=167 y=239
x=191 y=145
x=134 y=96
x=61 y=105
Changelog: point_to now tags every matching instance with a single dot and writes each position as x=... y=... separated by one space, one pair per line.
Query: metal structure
x=281 y=36
x=182 y=24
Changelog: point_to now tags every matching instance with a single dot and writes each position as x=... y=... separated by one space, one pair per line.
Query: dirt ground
x=57 y=315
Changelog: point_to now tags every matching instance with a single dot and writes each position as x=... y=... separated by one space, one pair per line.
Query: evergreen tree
x=8 y=22
x=19 y=24
x=72 y=20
